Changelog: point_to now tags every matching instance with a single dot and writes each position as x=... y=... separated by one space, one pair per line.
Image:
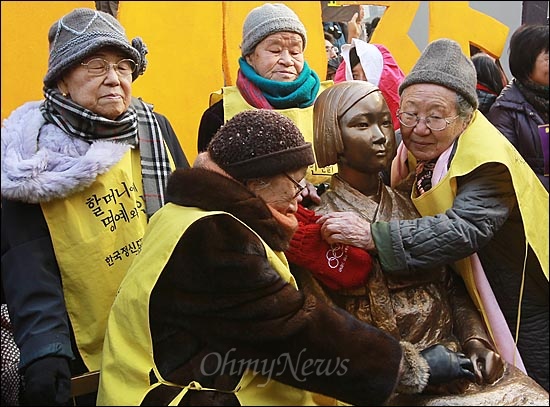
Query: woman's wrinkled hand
x=346 y=228
x=488 y=365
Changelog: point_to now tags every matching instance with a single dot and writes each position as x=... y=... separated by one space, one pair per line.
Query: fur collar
x=40 y=162
x=209 y=190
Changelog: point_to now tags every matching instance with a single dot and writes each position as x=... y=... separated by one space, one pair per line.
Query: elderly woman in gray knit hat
x=484 y=210
x=209 y=313
x=82 y=171
x=272 y=75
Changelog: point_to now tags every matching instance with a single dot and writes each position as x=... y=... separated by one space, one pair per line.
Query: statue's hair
x=330 y=106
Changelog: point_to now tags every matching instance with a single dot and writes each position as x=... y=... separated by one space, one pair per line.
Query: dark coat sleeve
x=180 y=160
x=485 y=198
x=32 y=284
x=212 y=119
x=219 y=292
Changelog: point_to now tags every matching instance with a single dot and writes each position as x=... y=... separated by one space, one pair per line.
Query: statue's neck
x=366 y=183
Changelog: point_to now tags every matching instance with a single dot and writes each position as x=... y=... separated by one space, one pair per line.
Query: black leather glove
x=446 y=365
x=47 y=382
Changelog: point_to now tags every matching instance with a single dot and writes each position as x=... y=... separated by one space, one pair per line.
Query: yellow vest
x=233 y=103
x=128 y=351
x=482 y=143
x=96 y=233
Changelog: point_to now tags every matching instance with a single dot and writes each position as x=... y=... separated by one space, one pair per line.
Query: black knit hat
x=259 y=143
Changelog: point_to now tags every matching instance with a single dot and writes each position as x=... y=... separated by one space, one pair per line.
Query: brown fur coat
x=218 y=293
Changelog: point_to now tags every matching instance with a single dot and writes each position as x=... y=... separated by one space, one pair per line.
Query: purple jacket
x=518 y=121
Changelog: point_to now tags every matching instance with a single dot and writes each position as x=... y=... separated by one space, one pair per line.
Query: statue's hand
x=488 y=365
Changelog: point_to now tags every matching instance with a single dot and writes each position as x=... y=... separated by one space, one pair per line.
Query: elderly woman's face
x=279 y=57
x=430 y=100
x=106 y=95
x=282 y=192
x=368 y=135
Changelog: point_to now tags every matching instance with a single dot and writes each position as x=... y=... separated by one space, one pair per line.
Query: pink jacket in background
x=380 y=68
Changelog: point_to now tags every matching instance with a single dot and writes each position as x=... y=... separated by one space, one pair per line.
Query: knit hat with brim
x=81 y=33
x=266 y=20
x=443 y=63
x=259 y=143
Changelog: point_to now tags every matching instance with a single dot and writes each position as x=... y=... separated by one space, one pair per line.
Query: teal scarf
x=301 y=92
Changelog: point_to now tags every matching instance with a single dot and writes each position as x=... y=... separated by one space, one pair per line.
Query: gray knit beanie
x=266 y=20
x=444 y=63
x=259 y=143
x=81 y=33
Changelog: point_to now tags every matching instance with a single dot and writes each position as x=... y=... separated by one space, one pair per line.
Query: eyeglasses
x=99 y=66
x=297 y=185
x=434 y=123
x=328 y=49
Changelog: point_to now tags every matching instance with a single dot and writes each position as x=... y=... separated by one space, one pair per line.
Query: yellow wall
x=188 y=58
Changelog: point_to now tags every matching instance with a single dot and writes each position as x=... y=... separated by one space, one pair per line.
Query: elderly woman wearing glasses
x=484 y=211
x=353 y=128
x=82 y=172
x=210 y=314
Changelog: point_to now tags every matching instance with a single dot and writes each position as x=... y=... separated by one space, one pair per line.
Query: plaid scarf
x=268 y=94
x=136 y=126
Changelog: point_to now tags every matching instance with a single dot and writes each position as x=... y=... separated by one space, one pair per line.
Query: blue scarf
x=301 y=92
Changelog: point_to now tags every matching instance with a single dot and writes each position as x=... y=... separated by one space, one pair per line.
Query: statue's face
x=368 y=135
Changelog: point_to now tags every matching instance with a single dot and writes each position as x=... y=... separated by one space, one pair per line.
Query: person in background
x=489 y=81
x=333 y=56
x=330 y=48
x=220 y=241
x=522 y=106
x=338 y=30
x=273 y=74
x=483 y=209
x=373 y=63
x=82 y=172
x=370 y=26
x=370 y=62
x=357 y=27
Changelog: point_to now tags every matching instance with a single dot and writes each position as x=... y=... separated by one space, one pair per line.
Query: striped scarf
x=136 y=126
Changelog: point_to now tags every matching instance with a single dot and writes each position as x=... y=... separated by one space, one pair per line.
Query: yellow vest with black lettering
x=482 y=143
x=96 y=233
x=128 y=351
x=234 y=103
